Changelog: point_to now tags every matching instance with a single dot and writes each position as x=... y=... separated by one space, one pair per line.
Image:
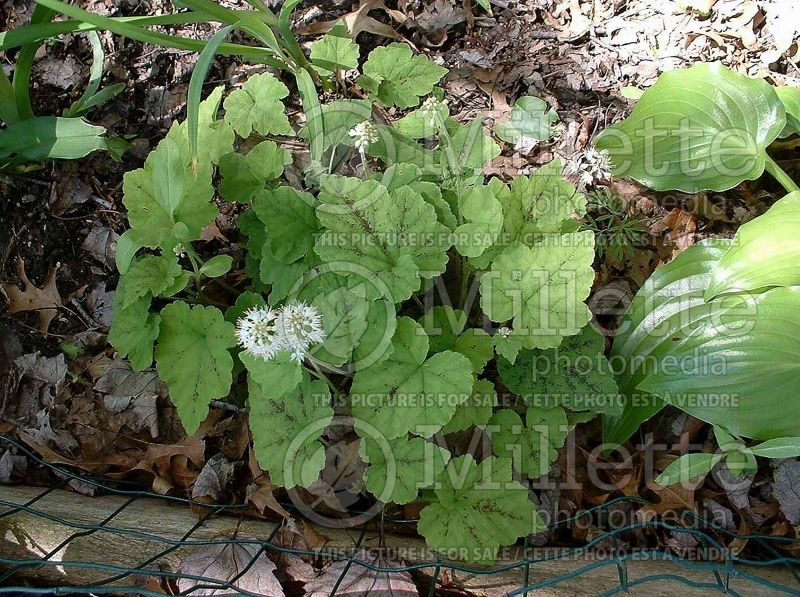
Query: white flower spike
x=300 y=327
x=591 y=165
x=364 y=134
x=257 y=332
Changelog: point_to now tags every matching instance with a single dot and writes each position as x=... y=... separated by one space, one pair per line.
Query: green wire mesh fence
x=772 y=572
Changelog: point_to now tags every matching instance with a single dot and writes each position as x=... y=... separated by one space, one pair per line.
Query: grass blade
x=196 y=86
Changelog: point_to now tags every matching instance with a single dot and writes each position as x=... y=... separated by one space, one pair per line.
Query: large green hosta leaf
x=764 y=253
x=733 y=361
x=704 y=127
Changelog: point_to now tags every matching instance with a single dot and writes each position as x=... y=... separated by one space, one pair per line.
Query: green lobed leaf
x=575 y=375
x=335 y=51
x=480 y=509
x=394 y=235
x=445 y=328
x=540 y=203
x=476 y=410
x=399 y=468
x=542 y=289
x=473 y=148
x=700 y=128
x=275 y=379
x=765 y=252
x=532 y=446
x=256 y=107
x=531 y=120
x=286 y=433
x=134 y=331
x=688 y=467
x=291 y=222
x=245 y=175
x=166 y=203
x=192 y=358
x=398 y=77
x=484 y=220
x=409 y=392
x=149 y=276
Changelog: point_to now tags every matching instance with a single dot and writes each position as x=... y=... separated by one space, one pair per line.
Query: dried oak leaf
x=45 y=300
x=359 y=581
x=231 y=568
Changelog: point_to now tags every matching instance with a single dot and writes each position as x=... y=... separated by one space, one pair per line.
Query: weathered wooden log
x=140 y=531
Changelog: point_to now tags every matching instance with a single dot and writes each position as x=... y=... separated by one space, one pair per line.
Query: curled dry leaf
x=359 y=21
x=45 y=300
x=229 y=568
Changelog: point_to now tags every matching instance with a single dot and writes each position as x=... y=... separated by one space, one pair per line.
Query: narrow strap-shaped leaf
x=313 y=110
x=285 y=29
x=8 y=106
x=133 y=31
x=24 y=63
x=95 y=76
x=196 y=86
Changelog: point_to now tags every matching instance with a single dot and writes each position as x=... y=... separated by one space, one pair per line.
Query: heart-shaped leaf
x=705 y=127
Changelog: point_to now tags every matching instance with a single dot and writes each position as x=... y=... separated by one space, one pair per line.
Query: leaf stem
x=780 y=175
x=320 y=375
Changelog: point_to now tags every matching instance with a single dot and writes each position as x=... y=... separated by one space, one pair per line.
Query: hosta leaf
x=687 y=468
x=335 y=51
x=291 y=222
x=445 y=329
x=700 y=128
x=51 y=137
x=244 y=175
x=531 y=120
x=286 y=433
x=780 y=447
x=399 y=77
x=542 y=289
x=399 y=468
x=256 y=106
x=149 y=276
x=575 y=375
x=134 y=331
x=166 y=203
x=192 y=358
x=790 y=98
x=476 y=410
x=730 y=362
x=532 y=446
x=394 y=235
x=540 y=203
x=480 y=509
x=276 y=378
x=484 y=216
x=765 y=252
x=409 y=392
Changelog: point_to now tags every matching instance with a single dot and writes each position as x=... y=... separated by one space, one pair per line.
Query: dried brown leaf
x=231 y=567
x=359 y=581
x=45 y=300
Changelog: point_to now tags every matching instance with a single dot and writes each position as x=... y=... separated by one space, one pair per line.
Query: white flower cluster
x=430 y=110
x=591 y=165
x=364 y=134
x=264 y=332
